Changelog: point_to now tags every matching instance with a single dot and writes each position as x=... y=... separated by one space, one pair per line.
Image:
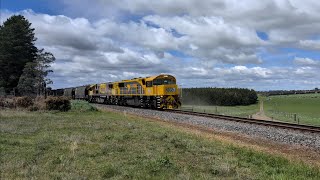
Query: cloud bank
x=260 y=45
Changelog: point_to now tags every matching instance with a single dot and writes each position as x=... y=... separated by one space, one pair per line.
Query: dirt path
x=261 y=115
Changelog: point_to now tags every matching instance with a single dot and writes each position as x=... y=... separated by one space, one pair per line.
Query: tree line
x=218 y=96
x=288 y=92
x=23 y=67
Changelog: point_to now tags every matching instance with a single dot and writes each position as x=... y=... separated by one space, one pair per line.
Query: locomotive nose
x=170 y=89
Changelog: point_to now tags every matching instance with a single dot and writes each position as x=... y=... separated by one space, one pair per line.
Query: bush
x=9 y=103
x=82 y=106
x=33 y=108
x=24 y=102
x=39 y=103
x=58 y=103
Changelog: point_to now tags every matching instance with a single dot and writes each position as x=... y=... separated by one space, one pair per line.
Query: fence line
x=293 y=116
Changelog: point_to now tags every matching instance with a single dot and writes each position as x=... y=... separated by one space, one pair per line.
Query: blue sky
x=207 y=43
x=40 y=6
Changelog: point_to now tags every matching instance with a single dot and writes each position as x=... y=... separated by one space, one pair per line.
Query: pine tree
x=16 y=50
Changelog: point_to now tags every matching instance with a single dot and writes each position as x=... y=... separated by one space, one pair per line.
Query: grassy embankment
x=283 y=107
x=85 y=143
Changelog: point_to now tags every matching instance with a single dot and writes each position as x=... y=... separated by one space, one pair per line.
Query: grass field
x=89 y=144
x=239 y=111
x=306 y=106
x=282 y=107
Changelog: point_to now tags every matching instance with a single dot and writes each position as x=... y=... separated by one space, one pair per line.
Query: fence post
x=295 y=117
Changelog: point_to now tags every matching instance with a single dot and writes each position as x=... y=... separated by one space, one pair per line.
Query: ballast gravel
x=293 y=137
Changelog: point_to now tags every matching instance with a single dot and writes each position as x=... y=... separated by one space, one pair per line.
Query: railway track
x=301 y=127
x=280 y=132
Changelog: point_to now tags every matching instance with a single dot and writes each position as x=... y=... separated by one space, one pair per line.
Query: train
x=154 y=92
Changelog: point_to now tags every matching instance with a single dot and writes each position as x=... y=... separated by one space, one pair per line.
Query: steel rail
x=279 y=124
x=286 y=125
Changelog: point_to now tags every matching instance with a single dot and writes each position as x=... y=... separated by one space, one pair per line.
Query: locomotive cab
x=165 y=85
x=165 y=89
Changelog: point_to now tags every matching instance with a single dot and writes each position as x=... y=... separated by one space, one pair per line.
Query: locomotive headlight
x=171 y=90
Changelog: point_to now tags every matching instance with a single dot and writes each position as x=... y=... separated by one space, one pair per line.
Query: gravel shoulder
x=295 y=145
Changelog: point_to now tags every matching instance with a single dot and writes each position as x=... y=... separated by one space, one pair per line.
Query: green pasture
x=239 y=111
x=89 y=144
x=283 y=107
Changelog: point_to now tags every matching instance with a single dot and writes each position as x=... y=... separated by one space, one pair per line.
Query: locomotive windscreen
x=161 y=81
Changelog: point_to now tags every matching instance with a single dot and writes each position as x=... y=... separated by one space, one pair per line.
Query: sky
x=261 y=45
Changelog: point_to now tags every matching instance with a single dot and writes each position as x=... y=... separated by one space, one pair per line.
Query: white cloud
x=310 y=44
x=286 y=21
x=138 y=34
x=203 y=43
x=102 y=50
x=211 y=38
x=306 y=62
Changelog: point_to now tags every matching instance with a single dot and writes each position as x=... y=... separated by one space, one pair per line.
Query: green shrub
x=58 y=103
x=24 y=102
x=82 y=106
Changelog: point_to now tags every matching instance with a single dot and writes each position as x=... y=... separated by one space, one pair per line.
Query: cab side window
x=149 y=83
x=121 y=85
x=157 y=82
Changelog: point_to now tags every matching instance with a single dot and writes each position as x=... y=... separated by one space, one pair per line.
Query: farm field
x=283 y=107
x=239 y=111
x=89 y=144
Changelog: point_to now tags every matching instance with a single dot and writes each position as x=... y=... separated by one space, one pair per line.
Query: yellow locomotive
x=156 y=92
